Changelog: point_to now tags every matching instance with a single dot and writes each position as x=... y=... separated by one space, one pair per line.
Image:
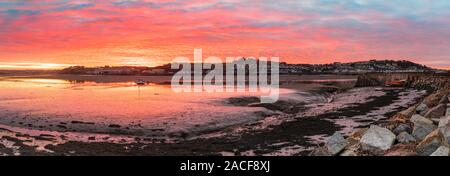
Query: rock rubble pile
x=421 y=130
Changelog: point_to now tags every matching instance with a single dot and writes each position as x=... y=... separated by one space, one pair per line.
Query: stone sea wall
x=420 y=130
x=429 y=81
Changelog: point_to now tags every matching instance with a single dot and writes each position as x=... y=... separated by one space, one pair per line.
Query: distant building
x=113 y=71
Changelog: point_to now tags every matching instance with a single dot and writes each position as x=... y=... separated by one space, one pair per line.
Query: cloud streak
x=307 y=31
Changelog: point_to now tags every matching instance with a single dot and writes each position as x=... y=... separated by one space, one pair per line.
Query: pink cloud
x=104 y=33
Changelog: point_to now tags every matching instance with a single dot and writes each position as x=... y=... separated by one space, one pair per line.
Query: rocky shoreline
x=420 y=130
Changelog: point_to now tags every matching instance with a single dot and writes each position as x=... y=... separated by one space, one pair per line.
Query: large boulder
x=421 y=130
x=416 y=118
x=336 y=143
x=441 y=151
x=422 y=109
x=430 y=144
x=436 y=112
x=405 y=138
x=422 y=127
x=444 y=129
x=377 y=140
x=433 y=99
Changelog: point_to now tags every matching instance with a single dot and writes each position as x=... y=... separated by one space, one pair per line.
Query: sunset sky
x=40 y=34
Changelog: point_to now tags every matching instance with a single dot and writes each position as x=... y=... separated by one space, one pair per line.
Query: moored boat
x=140 y=82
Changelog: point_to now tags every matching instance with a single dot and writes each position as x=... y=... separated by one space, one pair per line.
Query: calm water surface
x=117 y=103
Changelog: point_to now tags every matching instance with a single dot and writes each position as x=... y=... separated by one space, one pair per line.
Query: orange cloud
x=154 y=32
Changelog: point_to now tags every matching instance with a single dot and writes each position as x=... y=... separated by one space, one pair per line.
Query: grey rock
x=421 y=130
x=444 y=100
x=444 y=129
x=430 y=144
x=428 y=149
x=422 y=109
x=441 y=151
x=416 y=118
x=445 y=132
x=444 y=122
x=436 y=112
x=404 y=127
x=422 y=126
x=336 y=143
x=376 y=140
x=405 y=138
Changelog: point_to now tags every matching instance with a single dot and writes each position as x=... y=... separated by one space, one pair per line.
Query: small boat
x=140 y=82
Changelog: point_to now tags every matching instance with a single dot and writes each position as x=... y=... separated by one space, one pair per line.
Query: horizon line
x=33 y=66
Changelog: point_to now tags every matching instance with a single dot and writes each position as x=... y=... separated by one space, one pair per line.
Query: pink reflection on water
x=118 y=103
